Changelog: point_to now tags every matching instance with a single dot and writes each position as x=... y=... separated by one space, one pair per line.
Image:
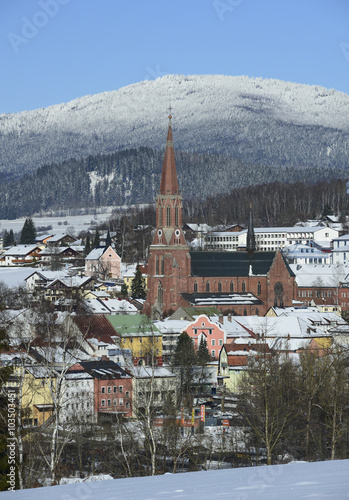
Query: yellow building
x=37 y=388
x=138 y=334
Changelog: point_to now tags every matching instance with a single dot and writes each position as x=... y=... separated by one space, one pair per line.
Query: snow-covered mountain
x=259 y=121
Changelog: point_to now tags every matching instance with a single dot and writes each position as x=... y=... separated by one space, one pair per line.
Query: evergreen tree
x=96 y=241
x=28 y=233
x=8 y=238
x=184 y=360
x=203 y=356
x=138 y=286
x=124 y=290
x=87 y=244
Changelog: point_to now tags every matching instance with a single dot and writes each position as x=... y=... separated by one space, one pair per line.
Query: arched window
x=219 y=286
x=168 y=216
x=176 y=217
x=243 y=287
x=160 y=293
x=156 y=265
x=259 y=288
x=160 y=216
x=195 y=287
x=232 y=286
x=207 y=286
x=162 y=265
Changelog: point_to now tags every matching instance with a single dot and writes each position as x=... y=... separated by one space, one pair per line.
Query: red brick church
x=247 y=282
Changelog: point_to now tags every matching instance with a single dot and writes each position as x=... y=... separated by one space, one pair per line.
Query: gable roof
x=135 y=325
x=230 y=263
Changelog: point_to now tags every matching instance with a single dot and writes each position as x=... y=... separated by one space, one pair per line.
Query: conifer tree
x=138 y=285
x=8 y=238
x=203 y=356
x=96 y=241
x=28 y=233
x=87 y=244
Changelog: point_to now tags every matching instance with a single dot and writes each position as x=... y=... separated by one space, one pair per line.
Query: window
x=232 y=286
x=213 y=353
x=127 y=394
x=213 y=342
x=121 y=389
x=157 y=265
x=115 y=388
x=195 y=287
x=103 y=390
x=207 y=286
x=108 y=402
x=121 y=402
x=103 y=402
x=109 y=389
x=168 y=216
x=127 y=405
x=160 y=292
x=219 y=286
x=220 y=342
x=160 y=216
x=243 y=287
x=176 y=217
x=162 y=265
x=259 y=288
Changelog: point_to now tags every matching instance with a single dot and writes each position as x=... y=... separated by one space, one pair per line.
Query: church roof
x=169 y=182
x=231 y=263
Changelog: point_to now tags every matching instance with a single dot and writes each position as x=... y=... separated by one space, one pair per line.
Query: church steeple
x=250 y=241
x=169 y=182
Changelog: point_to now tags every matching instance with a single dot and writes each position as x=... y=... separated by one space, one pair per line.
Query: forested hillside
x=133 y=177
x=256 y=121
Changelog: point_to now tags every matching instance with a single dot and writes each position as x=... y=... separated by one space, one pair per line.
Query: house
x=170 y=330
x=340 y=250
x=63 y=254
x=164 y=385
x=69 y=287
x=60 y=239
x=138 y=333
x=320 y=284
x=212 y=333
x=234 y=359
x=100 y=389
x=21 y=255
x=37 y=395
x=40 y=278
x=104 y=263
x=306 y=254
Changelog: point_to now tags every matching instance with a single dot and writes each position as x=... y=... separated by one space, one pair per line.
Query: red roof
x=97 y=327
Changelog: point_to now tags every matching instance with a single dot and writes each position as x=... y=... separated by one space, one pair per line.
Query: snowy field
x=319 y=480
x=61 y=223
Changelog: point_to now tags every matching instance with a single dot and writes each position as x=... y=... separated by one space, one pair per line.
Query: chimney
x=220 y=319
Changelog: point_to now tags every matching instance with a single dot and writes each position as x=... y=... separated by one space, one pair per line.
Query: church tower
x=169 y=260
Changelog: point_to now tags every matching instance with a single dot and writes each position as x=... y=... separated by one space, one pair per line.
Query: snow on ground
x=14 y=277
x=61 y=223
x=320 y=480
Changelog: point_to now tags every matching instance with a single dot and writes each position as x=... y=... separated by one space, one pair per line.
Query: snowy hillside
x=269 y=122
x=320 y=480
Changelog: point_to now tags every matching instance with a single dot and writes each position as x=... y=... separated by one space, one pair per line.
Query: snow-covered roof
x=21 y=250
x=171 y=325
x=95 y=254
x=322 y=274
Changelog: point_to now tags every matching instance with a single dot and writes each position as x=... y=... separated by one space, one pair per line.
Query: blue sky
x=53 y=51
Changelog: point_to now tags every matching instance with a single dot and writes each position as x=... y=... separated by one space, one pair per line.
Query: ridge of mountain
x=254 y=120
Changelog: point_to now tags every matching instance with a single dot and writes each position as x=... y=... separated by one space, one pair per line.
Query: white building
x=340 y=249
x=269 y=239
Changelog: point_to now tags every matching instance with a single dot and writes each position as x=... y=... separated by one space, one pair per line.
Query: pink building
x=103 y=263
x=214 y=335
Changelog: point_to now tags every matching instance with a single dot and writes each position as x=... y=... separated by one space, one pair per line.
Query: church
x=243 y=282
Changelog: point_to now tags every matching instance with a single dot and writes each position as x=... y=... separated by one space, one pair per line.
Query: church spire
x=169 y=182
x=251 y=241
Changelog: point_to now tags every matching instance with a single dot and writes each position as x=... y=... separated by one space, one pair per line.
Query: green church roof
x=133 y=325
